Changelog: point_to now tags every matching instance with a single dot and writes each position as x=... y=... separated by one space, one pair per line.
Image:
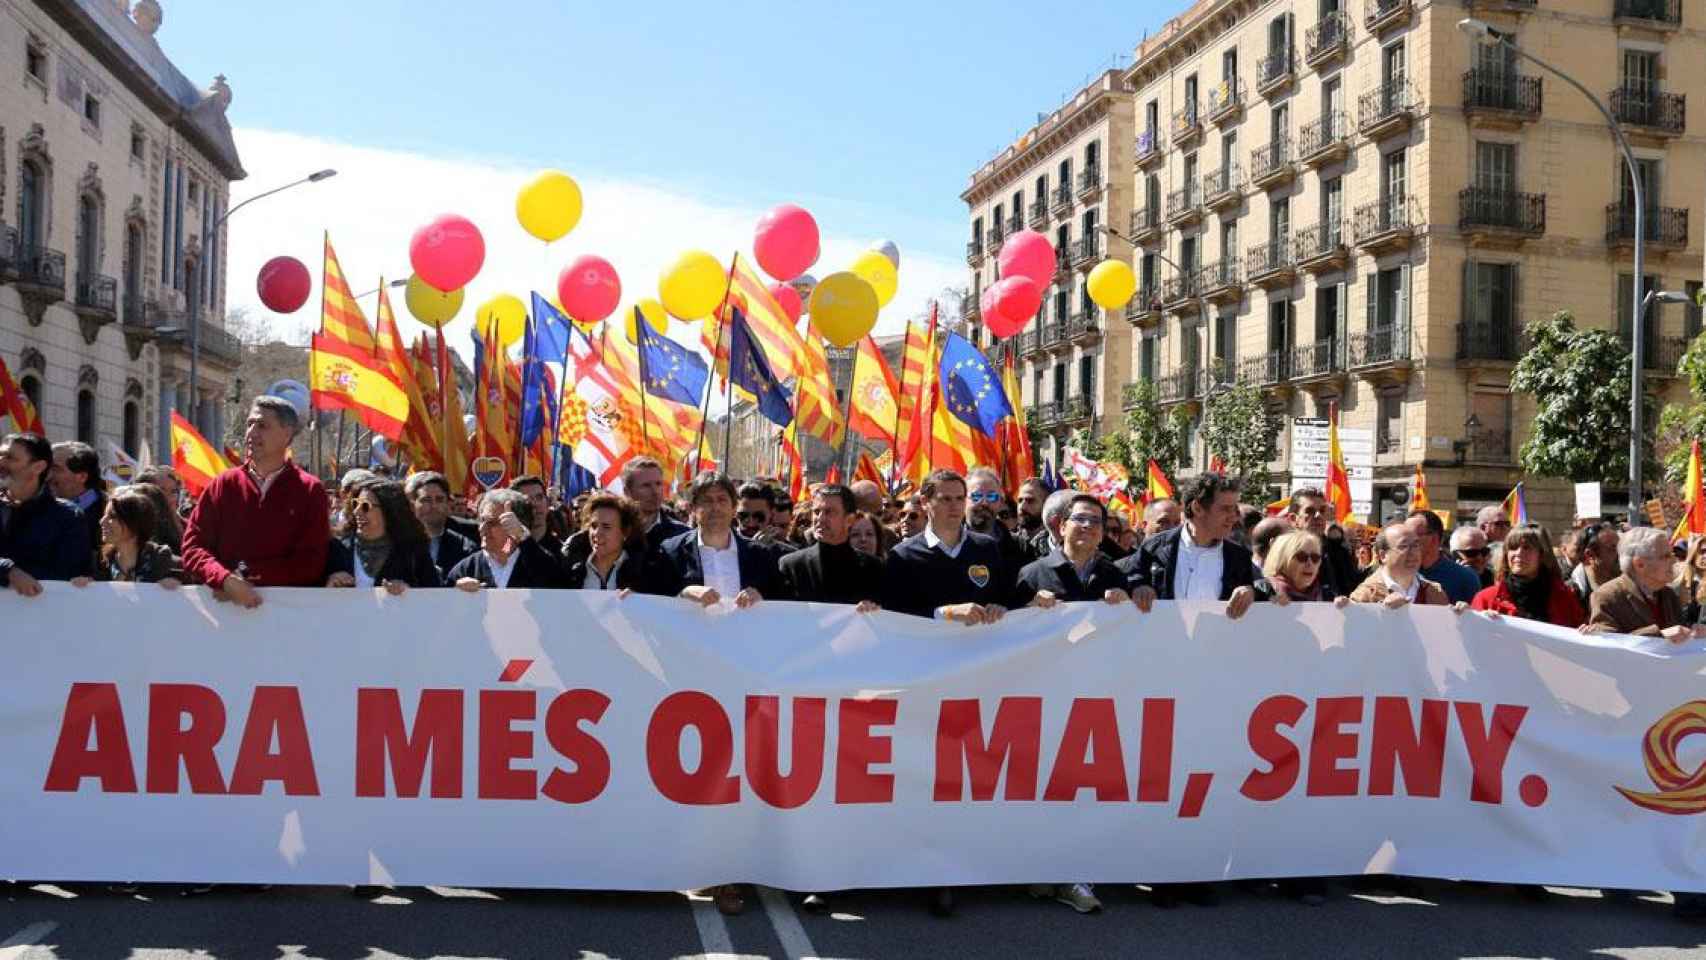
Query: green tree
x=1579 y=381
x=1152 y=433
x=1683 y=423
x=1238 y=427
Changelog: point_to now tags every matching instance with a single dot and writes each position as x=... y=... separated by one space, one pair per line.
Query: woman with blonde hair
x=1292 y=571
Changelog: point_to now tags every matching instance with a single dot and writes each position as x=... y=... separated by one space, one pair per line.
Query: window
x=1191 y=185
x=1394 y=187
x=1490 y=301
x=1279 y=35
x=166 y=227
x=1651 y=185
x=1060 y=304
x=1279 y=219
x=997 y=217
x=1282 y=325
x=1388 y=298
x=1018 y=208
x=1152 y=197
x=1062 y=239
x=1152 y=116
x=1188 y=254
x=1146 y=274
x=132 y=428
x=1333 y=208
x=195 y=191
x=32 y=206
x=1279 y=125
x=1226 y=337
x=1229 y=69
x=1392 y=65
x=1640 y=73
x=1329 y=311
x=1087 y=376
x=1228 y=158
x=138 y=144
x=1037 y=386
x=1060 y=383
x=977 y=231
x=1495 y=167
x=1649 y=322
x=1146 y=357
x=1088 y=226
x=1691 y=318
x=86 y=415
x=88 y=236
x=1390 y=424
x=1330 y=7
x=1042 y=189
x=1063 y=174
x=1332 y=107
x=92 y=110
x=35 y=59
x=1228 y=244
x=133 y=272
x=1191 y=98
x=1093 y=157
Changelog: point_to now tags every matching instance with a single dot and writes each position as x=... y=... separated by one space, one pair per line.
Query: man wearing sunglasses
x=1469 y=546
x=984 y=503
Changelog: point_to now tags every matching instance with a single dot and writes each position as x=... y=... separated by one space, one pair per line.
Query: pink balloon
x=786 y=242
x=789 y=300
x=1028 y=254
x=986 y=301
x=589 y=289
x=1016 y=301
x=448 y=252
x=283 y=284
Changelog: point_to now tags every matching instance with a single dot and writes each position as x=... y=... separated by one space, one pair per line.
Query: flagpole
x=930 y=421
x=846 y=413
x=1006 y=455
x=894 y=435
x=444 y=414
x=705 y=408
x=640 y=351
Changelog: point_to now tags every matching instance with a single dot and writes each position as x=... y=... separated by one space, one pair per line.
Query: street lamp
x=393 y=285
x=212 y=234
x=1487 y=36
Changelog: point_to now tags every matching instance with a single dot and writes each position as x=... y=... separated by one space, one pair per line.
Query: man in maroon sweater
x=263 y=523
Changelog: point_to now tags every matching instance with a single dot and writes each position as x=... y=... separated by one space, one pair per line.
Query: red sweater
x=281 y=538
x=1562 y=608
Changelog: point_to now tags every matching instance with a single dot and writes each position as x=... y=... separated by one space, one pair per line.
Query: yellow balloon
x=430 y=305
x=878 y=271
x=693 y=285
x=1111 y=284
x=508 y=313
x=549 y=205
x=844 y=307
x=655 y=316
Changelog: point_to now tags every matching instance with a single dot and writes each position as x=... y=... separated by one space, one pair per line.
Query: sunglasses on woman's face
x=1307 y=557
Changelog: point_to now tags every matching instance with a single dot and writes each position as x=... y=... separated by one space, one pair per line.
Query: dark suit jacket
x=452 y=547
x=412 y=567
x=629 y=576
x=1618 y=607
x=534 y=569
x=676 y=566
x=578 y=547
x=918 y=578
x=1056 y=574
x=1155 y=565
x=857 y=576
x=468 y=527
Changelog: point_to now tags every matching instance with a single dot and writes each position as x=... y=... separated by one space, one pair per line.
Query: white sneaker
x=1078 y=896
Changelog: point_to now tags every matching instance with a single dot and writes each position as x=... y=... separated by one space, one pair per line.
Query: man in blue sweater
x=1460 y=583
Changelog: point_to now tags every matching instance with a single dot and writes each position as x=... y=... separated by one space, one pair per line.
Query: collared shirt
x=363 y=579
x=501 y=571
x=1200 y=569
x=86 y=499
x=936 y=543
x=720 y=567
x=432 y=545
x=264 y=482
x=592 y=580
x=1408 y=593
x=1083 y=569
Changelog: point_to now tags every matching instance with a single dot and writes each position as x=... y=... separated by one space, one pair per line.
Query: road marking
x=787 y=924
x=20 y=944
x=713 y=932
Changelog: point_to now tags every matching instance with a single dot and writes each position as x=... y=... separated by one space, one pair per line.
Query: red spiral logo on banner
x=1679 y=791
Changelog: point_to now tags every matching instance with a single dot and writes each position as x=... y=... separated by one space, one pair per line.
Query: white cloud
x=380 y=196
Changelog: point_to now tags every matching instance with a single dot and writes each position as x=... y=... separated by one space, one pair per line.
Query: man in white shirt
x=711 y=563
x=1195 y=560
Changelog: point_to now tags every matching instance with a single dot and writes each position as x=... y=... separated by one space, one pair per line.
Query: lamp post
x=212 y=235
x=1487 y=36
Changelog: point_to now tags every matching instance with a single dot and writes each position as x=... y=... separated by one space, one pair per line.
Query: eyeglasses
x=1307 y=557
x=362 y=506
x=1085 y=520
x=985 y=496
x=1475 y=552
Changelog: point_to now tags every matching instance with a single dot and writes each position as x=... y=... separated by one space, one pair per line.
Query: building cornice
x=1089 y=107
x=1184 y=36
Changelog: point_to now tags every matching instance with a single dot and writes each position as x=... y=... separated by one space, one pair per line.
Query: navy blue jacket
x=534 y=569
x=46 y=538
x=919 y=578
x=1056 y=574
x=1155 y=565
x=676 y=565
x=413 y=568
x=452 y=547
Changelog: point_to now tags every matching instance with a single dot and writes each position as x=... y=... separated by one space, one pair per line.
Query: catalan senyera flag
x=1013 y=436
x=768 y=326
x=1156 y=486
x=195 y=460
x=492 y=436
x=874 y=409
x=866 y=469
x=917 y=389
x=668 y=429
x=1516 y=506
x=1338 y=479
x=814 y=404
x=15 y=405
x=340 y=316
x=444 y=402
x=796 y=464
x=345 y=377
x=1419 y=498
x=1693 y=500
x=419 y=441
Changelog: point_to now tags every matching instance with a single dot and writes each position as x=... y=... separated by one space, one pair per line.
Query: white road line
x=713 y=932
x=20 y=944
x=787 y=925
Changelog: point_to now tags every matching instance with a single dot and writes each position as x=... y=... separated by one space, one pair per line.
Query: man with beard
x=1032 y=494
x=41 y=536
x=429 y=494
x=912 y=517
x=984 y=501
x=1309 y=510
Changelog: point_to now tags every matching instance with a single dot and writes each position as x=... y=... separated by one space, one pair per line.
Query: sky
x=682 y=123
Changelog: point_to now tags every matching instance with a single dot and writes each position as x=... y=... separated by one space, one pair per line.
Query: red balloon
x=786 y=243
x=283 y=284
x=789 y=300
x=448 y=252
x=986 y=301
x=1016 y=301
x=589 y=289
x=1028 y=254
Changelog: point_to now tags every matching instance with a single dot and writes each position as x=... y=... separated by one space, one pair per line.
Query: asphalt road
x=1441 y=920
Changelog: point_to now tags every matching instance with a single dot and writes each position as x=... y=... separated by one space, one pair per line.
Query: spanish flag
x=1013 y=437
x=492 y=436
x=195 y=460
x=419 y=441
x=1156 y=485
x=1419 y=499
x=16 y=406
x=873 y=411
x=1515 y=506
x=1693 y=500
x=344 y=377
x=1338 y=480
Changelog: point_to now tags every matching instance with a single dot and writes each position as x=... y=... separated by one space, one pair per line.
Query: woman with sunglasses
x=1291 y=570
x=1527 y=582
x=386 y=545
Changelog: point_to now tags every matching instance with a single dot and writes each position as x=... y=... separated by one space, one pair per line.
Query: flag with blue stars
x=970 y=386
x=671 y=371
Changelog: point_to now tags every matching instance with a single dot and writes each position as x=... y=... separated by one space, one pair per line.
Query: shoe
x=815 y=903
x=942 y=902
x=1078 y=896
x=730 y=902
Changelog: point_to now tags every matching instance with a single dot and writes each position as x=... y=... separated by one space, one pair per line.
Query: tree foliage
x=1238 y=427
x=1580 y=383
x=1683 y=423
x=1152 y=433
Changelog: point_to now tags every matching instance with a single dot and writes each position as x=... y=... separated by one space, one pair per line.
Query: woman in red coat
x=1527 y=582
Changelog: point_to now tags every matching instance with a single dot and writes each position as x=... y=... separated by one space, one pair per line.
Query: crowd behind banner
x=959 y=549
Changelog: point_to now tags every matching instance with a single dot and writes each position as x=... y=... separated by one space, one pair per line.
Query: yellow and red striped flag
x=874 y=410
x=492 y=436
x=766 y=323
x=814 y=404
x=195 y=460
x=419 y=441
x=15 y=405
x=452 y=432
x=340 y=316
x=917 y=366
x=866 y=469
x=1419 y=499
x=669 y=427
x=1338 y=480
x=1156 y=486
x=1013 y=437
x=796 y=464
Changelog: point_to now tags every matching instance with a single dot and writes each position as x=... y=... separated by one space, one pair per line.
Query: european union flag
x=671 y=371
x=971 y=387
x=751 y=372
x=546 y=341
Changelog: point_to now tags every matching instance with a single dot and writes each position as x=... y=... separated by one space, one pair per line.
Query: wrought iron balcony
x=1146 y=225
x=1386 y=110
x=1271 y=165
x=1498 y=341
x=1052 y=334
x=997 y=233
x=1384 y=14
x=1660 y=355
x=1221 y=280
x=1063 y=261
x=1028 y=342
x=1178 y=386
x=1501 y=95
x=1383 y=225
x=1321 y=360
x=974 y=252
x=1046 y=413
x=41 y=269
x=1275 y=72
x=173 y=327
x=1503 y=212
x=1089 y=184
x=1663 y=226
x=1076 y=408
x=1220 y=372
x=1223 y=188
x=1265 y=369
x=1225 y=101
x=1655 y=112
x=1380 y=346
x=1180 y=291
x=1324 y=140
x=1327 y=39
x=1062 y=199
x=969 y=308
x=1145 y=306
x=1320 y=248
x=1187 y=125
x=1085 y=325
x=1086 y=250
x=97 y=295
x=1270 y=265
x=1149 y=148
x=1184 y=205
x=1651 y=14
x=1039 y=213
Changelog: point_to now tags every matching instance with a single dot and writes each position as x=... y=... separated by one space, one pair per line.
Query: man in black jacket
x=830 y=570
x=41 y=536
x=509 y=558
x=712 y=563
x=429 y=494
x=948 y=572
x=984 y=501
x=1195 y=560
x=1078 y=570
x=1309 y=510
x=75 y=477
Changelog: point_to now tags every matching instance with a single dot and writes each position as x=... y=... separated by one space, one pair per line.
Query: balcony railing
x=1062 y=198
x=1651 y=109
x=1380 y=346
x=1185 y=203
x=974 y=251
x=1039 y=213
x=1502 y=91
x=1483 y=208
x=97 y=293
x=1223 y=186
x=1027 y=343
x=1661 y=13
x=1271 y=164
x=1661 y=354
x=1149 y=147
x=1076 y=408
x=1264 y=370
x=1144 y=304
x=1225 y=100
x=1666 y=226
x=1489 y=341
x=1269 y=260
x=1374 y=223
x=1323 y=358
x=1220 y=372
x=1178 y=386
x=1318 y=241
x=1179 y=289
x=1220 y=277
x=1052 y=334
x=172 y=326
x=1085 y=321
x=1274 y=71
x=1383 y=13
x=1089 y=181
x=1086 y=249
x=968 y=307
x=1323 y=138
x=1187 y=124
x=41 y=267
x=1386 y=108
x=1326 y=39
x=1043 y=414
x=1144 y=223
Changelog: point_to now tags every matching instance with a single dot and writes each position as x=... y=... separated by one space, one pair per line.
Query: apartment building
x=1354 y=202
x=1068 y=177
x=113 y=168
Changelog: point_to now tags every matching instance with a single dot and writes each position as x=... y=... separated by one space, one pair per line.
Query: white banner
x=572 y=739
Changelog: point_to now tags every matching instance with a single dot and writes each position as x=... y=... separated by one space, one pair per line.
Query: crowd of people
x=959 y=549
